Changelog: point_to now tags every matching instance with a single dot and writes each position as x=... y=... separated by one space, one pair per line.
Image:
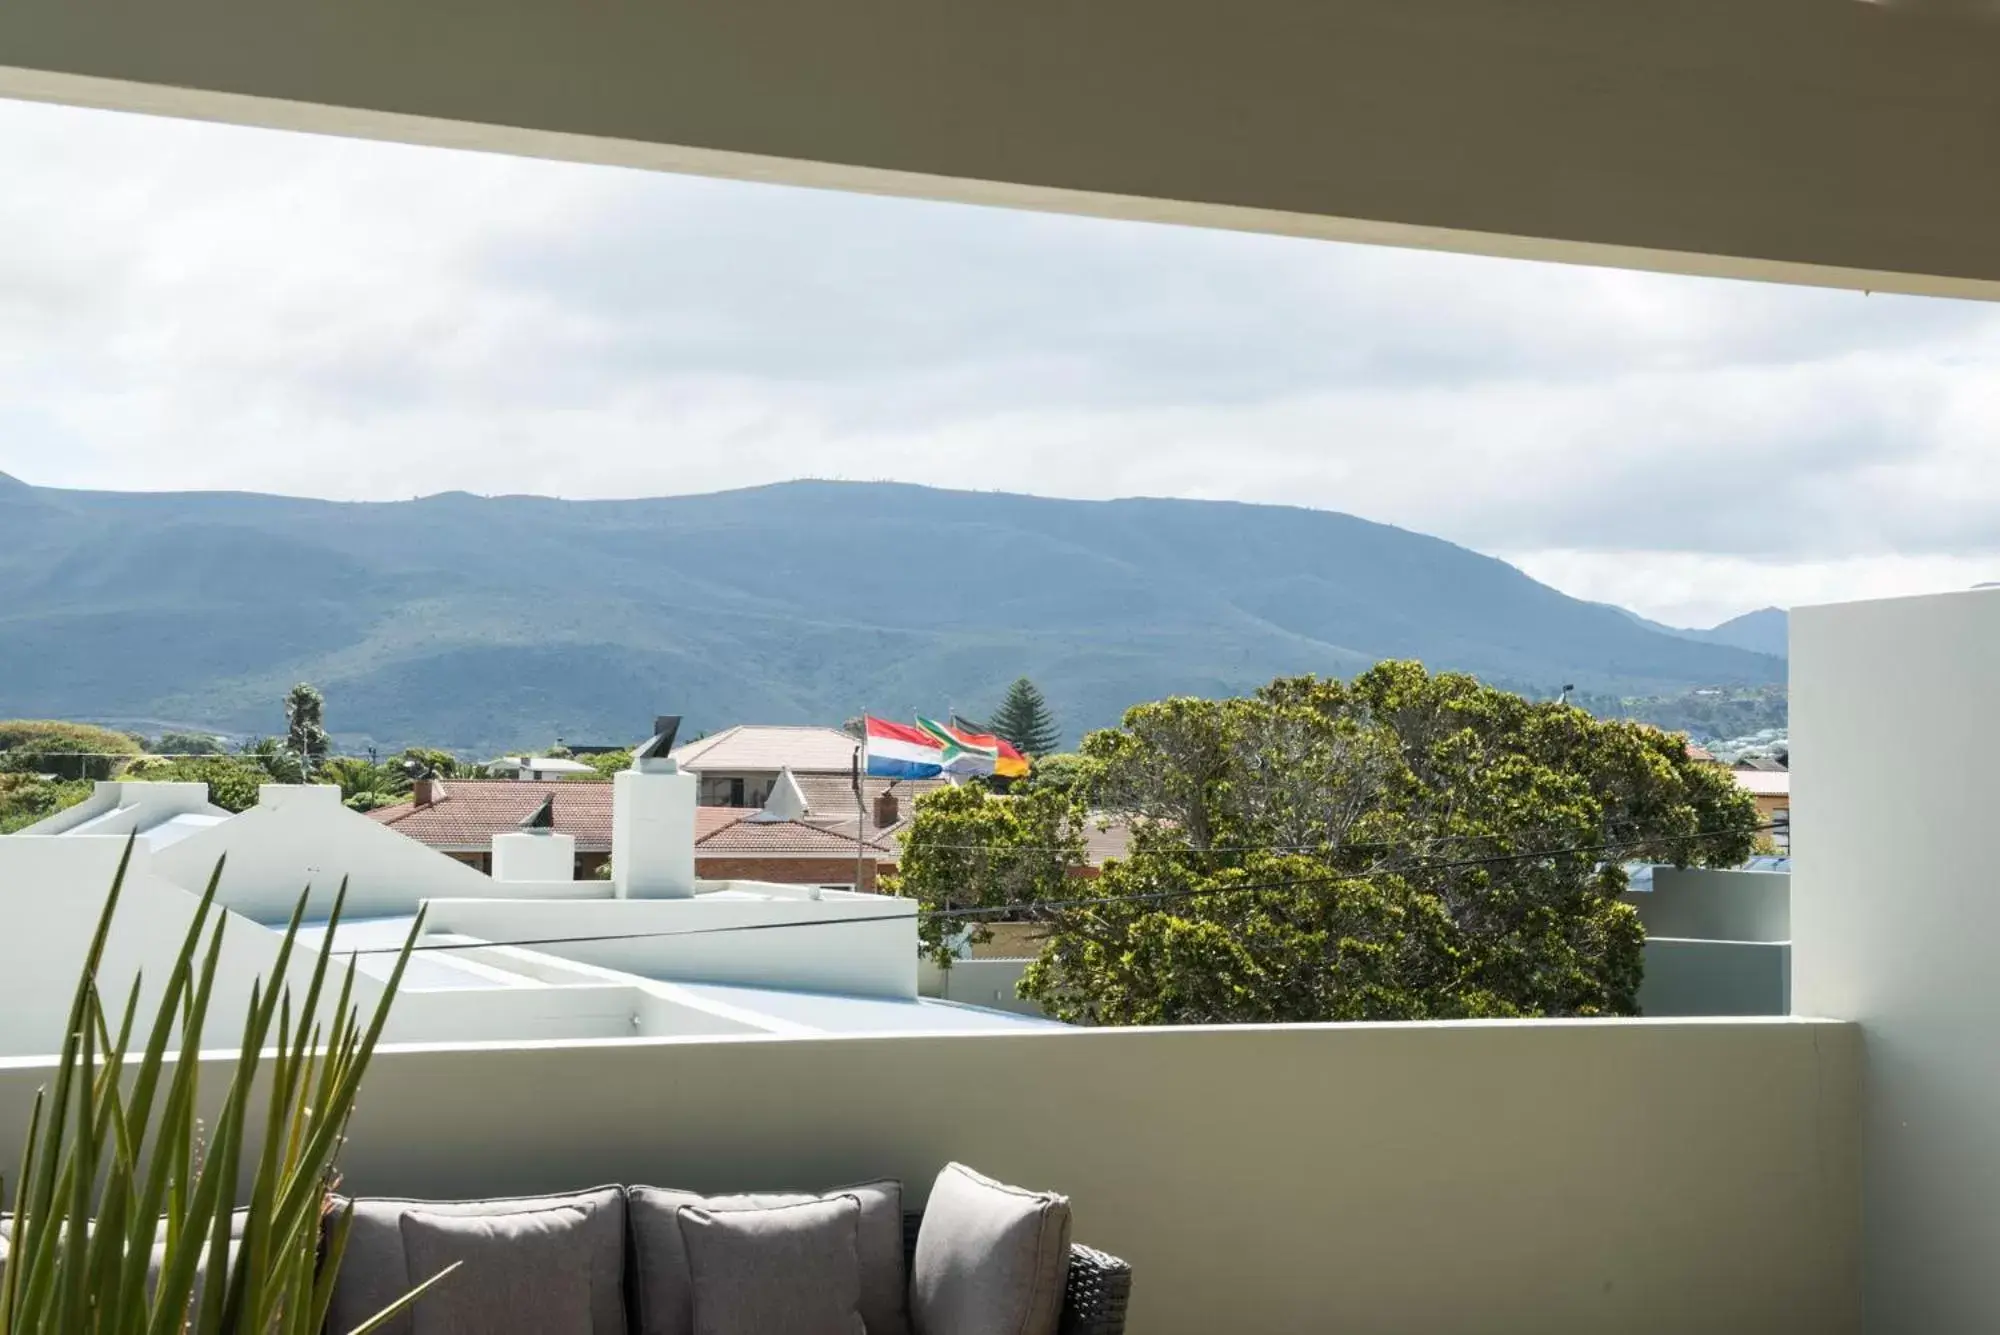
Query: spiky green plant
x=125 y=1211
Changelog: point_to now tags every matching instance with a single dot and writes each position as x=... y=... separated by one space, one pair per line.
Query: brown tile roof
x=472 y=811
x=747 y=838
x=830 y=798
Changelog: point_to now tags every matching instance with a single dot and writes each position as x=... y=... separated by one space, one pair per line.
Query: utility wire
x=1192 y=892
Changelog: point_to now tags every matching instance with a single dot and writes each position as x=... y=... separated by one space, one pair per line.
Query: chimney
x=427 y=791
x=652 y=822
x=887 y=809
x=536 y=851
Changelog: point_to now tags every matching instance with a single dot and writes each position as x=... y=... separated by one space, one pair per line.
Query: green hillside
x=482 y=623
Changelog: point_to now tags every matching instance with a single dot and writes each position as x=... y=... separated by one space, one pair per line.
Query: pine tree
x=1024 y=718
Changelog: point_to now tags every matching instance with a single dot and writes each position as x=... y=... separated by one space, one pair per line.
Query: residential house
x=739 y=766
x=1771 y=786
x=462 y=817
x=534 y=768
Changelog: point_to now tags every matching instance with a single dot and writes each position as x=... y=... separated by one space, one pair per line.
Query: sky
x=191 y=306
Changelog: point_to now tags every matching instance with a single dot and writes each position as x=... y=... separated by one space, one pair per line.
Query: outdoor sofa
x=982 y=1259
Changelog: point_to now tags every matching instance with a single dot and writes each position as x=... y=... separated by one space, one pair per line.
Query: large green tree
x=1025 y=719
x=1405 y=845
x=364 y=784
x=232 y=780
x=967 y=848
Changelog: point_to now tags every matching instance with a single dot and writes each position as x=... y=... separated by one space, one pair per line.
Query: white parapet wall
x=1559 y=1178
x=1895 y=735
x=300 y=835
x=52 y=891
x=855 y=944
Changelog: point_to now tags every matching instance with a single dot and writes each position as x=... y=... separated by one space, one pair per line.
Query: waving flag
x=1012 y=764
x=964 y=752
x=898 y=751
x=1009 y=763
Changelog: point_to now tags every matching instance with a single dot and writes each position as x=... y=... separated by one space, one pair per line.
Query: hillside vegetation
x=485 y=623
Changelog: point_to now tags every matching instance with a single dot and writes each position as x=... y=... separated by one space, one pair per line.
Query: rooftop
x=472 y=811
x=763 y=748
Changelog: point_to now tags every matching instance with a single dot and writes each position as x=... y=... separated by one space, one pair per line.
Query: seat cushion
x=375 y=1272
x=662 y=1292
x=788 y=1270
x=991 y=1259
x=518 y=1274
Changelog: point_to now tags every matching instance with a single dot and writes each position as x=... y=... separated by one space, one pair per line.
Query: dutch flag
x=896 y=751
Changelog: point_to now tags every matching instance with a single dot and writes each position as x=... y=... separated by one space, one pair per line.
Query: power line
x=1155 y=896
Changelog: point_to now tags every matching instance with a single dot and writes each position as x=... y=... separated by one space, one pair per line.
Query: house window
x=736 y=792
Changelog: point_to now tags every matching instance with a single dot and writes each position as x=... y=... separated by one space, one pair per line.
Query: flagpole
x=860 y=809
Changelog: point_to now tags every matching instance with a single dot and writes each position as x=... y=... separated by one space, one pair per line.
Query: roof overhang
x=1823 y=141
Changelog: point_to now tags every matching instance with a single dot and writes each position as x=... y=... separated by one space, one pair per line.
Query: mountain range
x=489 y=622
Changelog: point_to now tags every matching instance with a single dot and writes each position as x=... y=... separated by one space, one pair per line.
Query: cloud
x=198 y=306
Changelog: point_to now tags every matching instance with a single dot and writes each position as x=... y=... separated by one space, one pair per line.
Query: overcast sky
x=197 y=306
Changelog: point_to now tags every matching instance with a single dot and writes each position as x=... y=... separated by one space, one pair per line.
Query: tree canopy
x=27 y=798
x=1401 y=846
x=189 y=744
x=232 y=780
x=68 y=750
x=968 y=848
x=1025 y=719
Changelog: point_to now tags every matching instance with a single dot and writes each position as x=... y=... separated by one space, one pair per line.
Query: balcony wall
x=1894 y=918
x=1577 y=1177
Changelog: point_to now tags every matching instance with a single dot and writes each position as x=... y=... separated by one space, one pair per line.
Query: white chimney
x=652 y=822
x=520 y=855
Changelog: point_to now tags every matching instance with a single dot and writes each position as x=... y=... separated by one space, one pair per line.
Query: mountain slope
x=1765 y=631
x=480 y=622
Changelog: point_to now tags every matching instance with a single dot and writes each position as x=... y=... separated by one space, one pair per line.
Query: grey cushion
x=788 y=1270
x=518 y=1274
x=238 y=1220
x=662 y=1297
x=991 y=1259
x=375 y=1272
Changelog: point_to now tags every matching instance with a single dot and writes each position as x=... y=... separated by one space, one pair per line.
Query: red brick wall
x=785 y=871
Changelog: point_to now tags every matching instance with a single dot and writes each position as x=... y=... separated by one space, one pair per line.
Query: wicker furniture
x=1094 y=1300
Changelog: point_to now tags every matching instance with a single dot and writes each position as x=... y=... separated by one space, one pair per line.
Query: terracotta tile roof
x=830 y=798
x=757 y=748
x=472 y=811
x=743 y=837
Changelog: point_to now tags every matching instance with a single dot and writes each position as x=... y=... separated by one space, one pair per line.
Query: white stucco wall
x=1559 y=1178
x=863 y=945
x=51 y=894
x=302 y=835
x=1895 y=913
x=116 y=806
x=1715 y=904
x=1688 y=977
